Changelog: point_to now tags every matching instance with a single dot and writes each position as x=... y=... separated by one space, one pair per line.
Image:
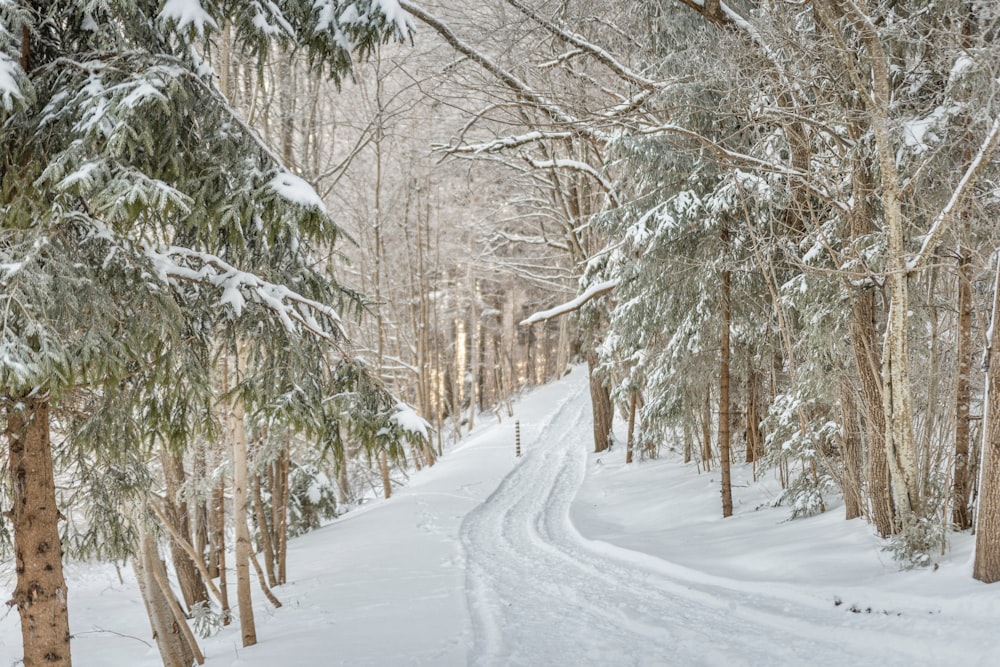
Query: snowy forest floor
x=565 y=557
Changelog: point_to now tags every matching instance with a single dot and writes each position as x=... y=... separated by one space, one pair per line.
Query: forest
x=261 y=261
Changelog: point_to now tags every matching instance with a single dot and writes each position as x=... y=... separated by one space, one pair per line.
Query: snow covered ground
x=563 y=557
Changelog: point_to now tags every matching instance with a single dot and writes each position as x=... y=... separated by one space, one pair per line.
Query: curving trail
x=539 y=593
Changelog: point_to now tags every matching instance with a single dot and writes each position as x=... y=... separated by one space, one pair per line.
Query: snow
x=962 y=64
x=88 y=23
x=9 y=88
x=95 y=111
x=141 y=94
x=263 y=22
x=296 y=190
x=919 y=134
x=394 y=15
x=326 y=21
x=187 y=13
x=85 y=174
x=591 y=292
x=813 y=252
x=565 y=557
x=407 y=419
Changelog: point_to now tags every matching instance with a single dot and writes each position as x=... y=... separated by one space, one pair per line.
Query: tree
x=986 y=567
x=142 y=216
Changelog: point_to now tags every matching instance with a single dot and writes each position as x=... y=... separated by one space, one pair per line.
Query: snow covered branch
x=291 y=308
x=590 y=294
x=583 y=167
x=947 y=214
x=503 y=143
x=12 y=79
x=507 y=237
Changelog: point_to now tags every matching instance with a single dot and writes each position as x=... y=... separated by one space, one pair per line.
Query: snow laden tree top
x=145 y=224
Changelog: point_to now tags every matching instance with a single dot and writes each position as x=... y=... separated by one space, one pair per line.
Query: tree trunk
x=237 y=434
x=200 y=528
x=174 y=648
x=987 y=564
x=900 y=450
x=480 y=378
x=600 y=400
x=864 y=337
x=179 y=539
x=633 y=397
x=266 y=531
x=724 y=436
x=960 y=490
x=40 y=595
x=867 y=358
x=706 y=432
x=851 y=454
x=900 y=447
x=279 y=508
x=383 y=464
x=263 y=583
x=192 y=587
x=688 y=441
x=219 y=544
x=755 y=443
x=896 y=398
x=471 y=358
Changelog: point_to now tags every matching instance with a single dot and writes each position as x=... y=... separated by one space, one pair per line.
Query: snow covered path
x=539 y=593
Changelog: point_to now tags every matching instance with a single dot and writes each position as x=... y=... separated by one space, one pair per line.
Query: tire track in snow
x=539 y=593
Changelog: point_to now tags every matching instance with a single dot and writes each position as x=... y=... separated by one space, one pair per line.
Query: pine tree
x=145 y=226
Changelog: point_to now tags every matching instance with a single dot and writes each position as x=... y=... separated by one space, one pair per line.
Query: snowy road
x=489 y=560
x=539 y=593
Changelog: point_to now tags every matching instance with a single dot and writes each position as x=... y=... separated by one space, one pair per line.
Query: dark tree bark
x=40 y=595
x=600 y=400
x=987 y=564
x=851 y=454
x=706 y=432
x=279 y=506
x=219 y=544
x=192 y=587
x=724 y=400
x=266 y=532
x=961 y=487
x=754 y=439
x=630 y=442
x=866 y=354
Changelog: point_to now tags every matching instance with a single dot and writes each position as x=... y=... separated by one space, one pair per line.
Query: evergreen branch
x=753 y=163
x=177 y=263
